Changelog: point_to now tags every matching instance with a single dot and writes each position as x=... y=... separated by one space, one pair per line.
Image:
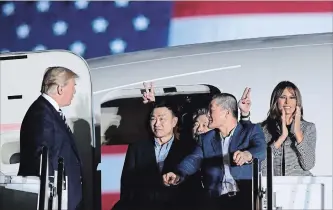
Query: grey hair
x=56 y=75
x=199 y=112
x=227 y=101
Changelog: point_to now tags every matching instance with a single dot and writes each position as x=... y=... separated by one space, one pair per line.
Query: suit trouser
x=225 y=202
x=148 y=201
x=241 y=200
x=79 y=206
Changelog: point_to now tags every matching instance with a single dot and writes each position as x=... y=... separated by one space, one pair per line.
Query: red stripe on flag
x=114 y=149
x=109 y=200
x=10 y=127
x=202 y=8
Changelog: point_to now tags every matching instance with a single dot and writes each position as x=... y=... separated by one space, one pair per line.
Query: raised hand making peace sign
x=244 y=104
x=149 y=95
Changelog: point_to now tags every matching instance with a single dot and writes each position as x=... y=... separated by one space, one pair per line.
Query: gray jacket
x=299 y=158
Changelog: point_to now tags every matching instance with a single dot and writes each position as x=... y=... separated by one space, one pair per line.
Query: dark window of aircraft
x=15 y=158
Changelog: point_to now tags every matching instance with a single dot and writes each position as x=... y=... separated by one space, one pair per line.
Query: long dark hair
x=274 y=114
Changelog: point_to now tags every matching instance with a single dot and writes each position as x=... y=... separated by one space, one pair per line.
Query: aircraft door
x=11 y=111
x=21 y=76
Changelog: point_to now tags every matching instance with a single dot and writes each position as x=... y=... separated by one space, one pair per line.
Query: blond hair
x=54 y=76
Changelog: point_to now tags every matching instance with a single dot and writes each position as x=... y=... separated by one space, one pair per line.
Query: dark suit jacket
x=208 y=156
x=43 y=126
x=142 y=183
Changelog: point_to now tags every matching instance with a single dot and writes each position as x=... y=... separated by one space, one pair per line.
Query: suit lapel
x=235 y=138
x=62 y=124
x=152 y=155
x=216 y=143
x=70 y=135
x=171 y=157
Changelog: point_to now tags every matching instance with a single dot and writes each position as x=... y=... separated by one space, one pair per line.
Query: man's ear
x=59 y=90
x=174 y=121
x=228 y=111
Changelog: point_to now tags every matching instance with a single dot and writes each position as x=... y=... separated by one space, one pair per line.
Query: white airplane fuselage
x=229 y=66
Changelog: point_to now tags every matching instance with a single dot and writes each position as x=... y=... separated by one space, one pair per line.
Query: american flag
x=90 y=29
x=93 y=29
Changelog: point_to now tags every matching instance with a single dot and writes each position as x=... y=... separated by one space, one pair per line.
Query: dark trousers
x=242 y=200
x=152 y=200
x=224 y=202
x=79 y=206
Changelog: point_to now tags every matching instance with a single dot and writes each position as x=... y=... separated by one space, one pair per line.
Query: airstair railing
x=48 y=191
x=269 y=185
x=61 y=181
x=255 y=184
x=43 y=179
x=258 y=191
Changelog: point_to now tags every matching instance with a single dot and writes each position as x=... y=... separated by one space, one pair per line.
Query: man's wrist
x=250 y=161
x=245 y=114
x=249 y=157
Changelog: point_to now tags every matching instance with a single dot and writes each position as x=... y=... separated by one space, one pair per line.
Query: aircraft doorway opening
x=21 y=76
x=125 y=119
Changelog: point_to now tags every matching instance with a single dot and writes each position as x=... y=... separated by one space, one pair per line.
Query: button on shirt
x=162 y=151
x=228 y=184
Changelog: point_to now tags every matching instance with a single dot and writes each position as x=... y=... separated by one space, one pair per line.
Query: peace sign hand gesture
x=244 y=103
x=149 y=94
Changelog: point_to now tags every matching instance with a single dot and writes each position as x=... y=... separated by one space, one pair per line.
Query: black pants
x=224 y=202
x=79 y=206
x=242 y=200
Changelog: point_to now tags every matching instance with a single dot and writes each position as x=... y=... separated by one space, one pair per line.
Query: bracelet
x=248 y=162
x=246 y=116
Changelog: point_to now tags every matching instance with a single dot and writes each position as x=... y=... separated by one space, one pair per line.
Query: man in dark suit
x=146 y=160
x=224 y=155
x=45 y=125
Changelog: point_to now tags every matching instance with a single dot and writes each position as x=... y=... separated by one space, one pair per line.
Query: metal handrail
x=256 y=185
x=55 y=191
x=258 y=190
x=60 y=180
x=43 y=178
x=269 y=186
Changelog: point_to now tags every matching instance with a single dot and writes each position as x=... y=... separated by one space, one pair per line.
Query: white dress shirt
x=229 y=184
x=52 y=101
